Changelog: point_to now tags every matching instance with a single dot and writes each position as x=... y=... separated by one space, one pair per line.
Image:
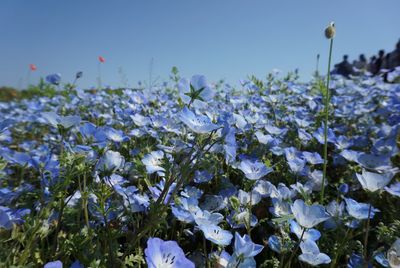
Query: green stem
x=295 y=250
x=366 y=238
x=326 y=112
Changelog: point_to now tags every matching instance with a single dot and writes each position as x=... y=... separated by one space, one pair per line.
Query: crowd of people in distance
x=381 y=63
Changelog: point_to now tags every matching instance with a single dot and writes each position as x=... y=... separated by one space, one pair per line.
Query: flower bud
x=330 y=31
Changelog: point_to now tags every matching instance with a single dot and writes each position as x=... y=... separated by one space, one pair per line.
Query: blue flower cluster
x=192 y=173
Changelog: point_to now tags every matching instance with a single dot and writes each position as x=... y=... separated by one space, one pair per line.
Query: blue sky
x=227 y=39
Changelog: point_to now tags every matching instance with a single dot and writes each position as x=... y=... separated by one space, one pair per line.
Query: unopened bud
x=330 y=31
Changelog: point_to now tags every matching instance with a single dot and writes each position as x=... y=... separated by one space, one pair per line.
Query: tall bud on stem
x=330 y=32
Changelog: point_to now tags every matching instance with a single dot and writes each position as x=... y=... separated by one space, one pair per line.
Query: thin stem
x=366 y=238
x=297 y=247
x=326 y=122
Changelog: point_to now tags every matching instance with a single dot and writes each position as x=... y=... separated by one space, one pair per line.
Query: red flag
x=101 y=59
x=32 y=67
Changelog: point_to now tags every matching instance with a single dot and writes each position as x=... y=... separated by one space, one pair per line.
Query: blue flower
x=308 y=216
x=275 y=243
x=53 y=264
x=153 y=162
x=197 y=89
x=56 y=120
x=110 y=161
x=216 y=234
x=54 y=79
x=394 y=189
x=254 y=170
x=244 y=247
x=359 y=211
x=310 y=234
x=197 y=123
x=202 y=176
x=313 y=158
x=373 y=181
x=165 y=254
x=312 y=255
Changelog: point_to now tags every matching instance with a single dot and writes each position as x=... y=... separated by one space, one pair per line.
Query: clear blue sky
x=218 y=38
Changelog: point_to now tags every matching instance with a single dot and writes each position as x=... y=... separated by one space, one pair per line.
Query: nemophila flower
x=357 y=261
x=359 y=211
x=216 y=234
x=196 y=89
x=230 y=145
x=394 y=189
x=275 y=244
x=380 y=163
x=308 y=216
x=65 y=121
x=313 y=158
x=275 y=130
x=159 y=187
x=202 y=176
x=9 y=217
x=244 y=247
x=53 y=264
x=336 y=210
x=310 y=234
x=115 y=135
x=197 y=123
x=280 y=207
x=382 y=260
x=165 y=254
x=319 y=135
x=186 y=209
x=204 y=217
x=54 y=79
x=213 y=203
x=254 y=170
x=133 y=200
x=373 y=181
x=312 y=255
x=110 y=161
x=140 y=120
x=264 y=188
x=153 y=162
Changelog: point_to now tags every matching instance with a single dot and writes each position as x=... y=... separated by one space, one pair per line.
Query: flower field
x=195 y=174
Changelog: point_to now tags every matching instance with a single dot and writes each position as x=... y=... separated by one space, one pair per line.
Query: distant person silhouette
x=344 y=68
x=361 y=64
x=372 y=65
x=394 y=58
x=379 y=61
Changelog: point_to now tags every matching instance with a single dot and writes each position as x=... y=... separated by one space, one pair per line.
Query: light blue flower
x=216 y=234
x=197 y=89
x=308 y=216
x=197 y=123
x=394 y=189
x=165 y=254
x=359 y=211
x=373 y=181
x=186 y=209
x=54 y=79
x=204 y=217
x=312 y=255
x=153 y=162
x=56 y=120
x=53 y=264
x=254 y=170
x=244 y=247
x=110 y=161
x=275 y=243
x=313 y=158
x=310 y=234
